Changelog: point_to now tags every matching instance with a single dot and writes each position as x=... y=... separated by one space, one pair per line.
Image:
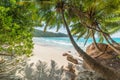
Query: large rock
x=71 y=58
x=106 y=57
x=105 y=51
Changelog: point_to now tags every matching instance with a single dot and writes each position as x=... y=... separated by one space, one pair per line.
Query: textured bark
x=107 y=73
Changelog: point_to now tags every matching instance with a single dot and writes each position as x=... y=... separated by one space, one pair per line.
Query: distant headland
x=40 y=33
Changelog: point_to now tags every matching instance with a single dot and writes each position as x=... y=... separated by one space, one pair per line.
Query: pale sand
x=48 y=53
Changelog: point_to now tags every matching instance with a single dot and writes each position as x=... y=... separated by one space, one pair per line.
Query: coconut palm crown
x=86 y=18
x=100 y=18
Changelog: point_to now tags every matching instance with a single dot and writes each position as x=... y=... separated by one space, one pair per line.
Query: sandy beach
x=48 y=53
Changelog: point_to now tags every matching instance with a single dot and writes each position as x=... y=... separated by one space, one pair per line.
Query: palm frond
x=101 y=38
x=114 y=30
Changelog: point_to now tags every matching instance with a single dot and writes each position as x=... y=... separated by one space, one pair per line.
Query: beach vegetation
x=87 y=19
x=84 y=18
x=16 y=26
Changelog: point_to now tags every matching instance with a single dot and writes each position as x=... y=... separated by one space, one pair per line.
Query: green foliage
x=81 y=17
x=16 y=26
x=39 y=33
x=104 y=14
x=48 y=16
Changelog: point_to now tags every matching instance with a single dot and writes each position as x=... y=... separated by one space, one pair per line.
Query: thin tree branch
x=112 y=46
x=96 y=46
x=86 y=41
x=6 y=54
x=113 y=40
x=96 y=30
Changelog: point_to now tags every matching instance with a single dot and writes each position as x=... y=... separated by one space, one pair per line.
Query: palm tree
x=95 y=65
x=84 y=20
x=98 y=20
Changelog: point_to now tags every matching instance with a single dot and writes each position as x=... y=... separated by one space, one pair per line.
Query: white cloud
x=116 y=35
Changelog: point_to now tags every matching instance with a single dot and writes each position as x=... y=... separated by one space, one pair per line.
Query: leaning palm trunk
x=107 y=73
x=81 y=15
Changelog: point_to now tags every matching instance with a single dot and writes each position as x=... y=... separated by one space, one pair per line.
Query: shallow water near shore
x=64 y=42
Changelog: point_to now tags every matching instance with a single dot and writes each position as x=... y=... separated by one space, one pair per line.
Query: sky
x=63 y=30
x=117 y=34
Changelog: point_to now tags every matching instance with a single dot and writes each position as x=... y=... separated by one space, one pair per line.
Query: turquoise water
x=63 y=42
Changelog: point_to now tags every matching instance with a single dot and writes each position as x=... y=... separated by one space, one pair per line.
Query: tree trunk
x=107 y=73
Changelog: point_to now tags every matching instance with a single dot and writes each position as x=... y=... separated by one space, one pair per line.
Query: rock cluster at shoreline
x=106 y=56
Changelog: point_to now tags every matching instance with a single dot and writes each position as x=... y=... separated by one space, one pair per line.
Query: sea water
x=64 y=42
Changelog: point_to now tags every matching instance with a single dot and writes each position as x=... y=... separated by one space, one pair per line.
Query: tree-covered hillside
x=39 y=33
